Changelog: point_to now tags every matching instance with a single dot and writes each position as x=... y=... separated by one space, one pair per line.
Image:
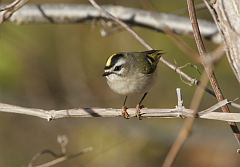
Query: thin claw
x=125 y=113
x=138 y=111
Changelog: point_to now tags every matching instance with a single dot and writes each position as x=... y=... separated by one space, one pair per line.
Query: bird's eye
x=118 y=68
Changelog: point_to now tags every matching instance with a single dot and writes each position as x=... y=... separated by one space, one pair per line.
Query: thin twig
x=187 y=127
x=64 y=16
x=203 y=53
x=192 y=81
x=199 y=6
x=59 y=157
x=7 y=11
x=216 y=55
x=43 y=152
x=64 y=158
x=124 y=25
x=10 y=6
x=182 y=45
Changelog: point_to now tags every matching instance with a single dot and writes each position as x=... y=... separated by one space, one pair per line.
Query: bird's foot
x=125 y=113
x=138 y=111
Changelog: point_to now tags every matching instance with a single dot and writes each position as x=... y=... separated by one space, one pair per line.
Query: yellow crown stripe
x=109 y=60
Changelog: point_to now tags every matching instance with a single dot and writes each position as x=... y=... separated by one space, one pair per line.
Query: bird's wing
x=152 y=57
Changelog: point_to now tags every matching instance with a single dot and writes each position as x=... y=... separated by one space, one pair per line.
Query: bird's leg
x=140 y=106
x=124 y=109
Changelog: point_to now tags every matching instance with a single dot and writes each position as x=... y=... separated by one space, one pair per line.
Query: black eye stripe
x=118 y=68
x=114 y=60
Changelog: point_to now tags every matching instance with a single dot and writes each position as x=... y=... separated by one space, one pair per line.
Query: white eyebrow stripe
x=120 y=62
x=150 y=60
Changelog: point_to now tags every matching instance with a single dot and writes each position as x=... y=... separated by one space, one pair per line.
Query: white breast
x=130 y=85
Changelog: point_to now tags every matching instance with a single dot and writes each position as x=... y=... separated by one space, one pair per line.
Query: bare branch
x=226 y=16
x=59 y=157
x=178 y=111
x=207 y=63
x=203 y=53
x=7 y=11
x=182 y=45
x=137 y=37
x=78 y=13
x=124 y=25
x=188 y=124
x=63 y=158
x=10 y=6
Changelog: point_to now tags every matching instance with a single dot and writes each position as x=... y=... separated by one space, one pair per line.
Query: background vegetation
x=60 y=66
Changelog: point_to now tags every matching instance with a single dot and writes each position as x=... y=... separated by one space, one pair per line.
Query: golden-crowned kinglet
x=132 y=72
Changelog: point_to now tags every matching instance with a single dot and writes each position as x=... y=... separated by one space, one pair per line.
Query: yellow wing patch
x=109 y=60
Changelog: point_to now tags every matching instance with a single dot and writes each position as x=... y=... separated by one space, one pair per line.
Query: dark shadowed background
x=60 y=66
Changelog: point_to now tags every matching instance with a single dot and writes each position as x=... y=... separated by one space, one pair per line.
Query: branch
x=58 y=157
x=178 y=112
x=80 y=13
x=192 y=81
x=121 y=23
x=76 y=13
x=212 y=78
x=62 y=158
x=226 y=16
x=187 y=126
x=7 y=11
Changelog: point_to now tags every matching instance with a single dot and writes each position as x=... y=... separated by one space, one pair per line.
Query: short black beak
x=106 y=74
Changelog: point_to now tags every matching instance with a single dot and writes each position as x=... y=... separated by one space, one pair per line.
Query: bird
x=130 y=73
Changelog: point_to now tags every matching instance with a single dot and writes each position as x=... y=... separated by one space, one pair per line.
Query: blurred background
x=60 y=66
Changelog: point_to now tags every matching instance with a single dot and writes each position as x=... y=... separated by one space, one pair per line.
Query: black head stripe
x=112 y=60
